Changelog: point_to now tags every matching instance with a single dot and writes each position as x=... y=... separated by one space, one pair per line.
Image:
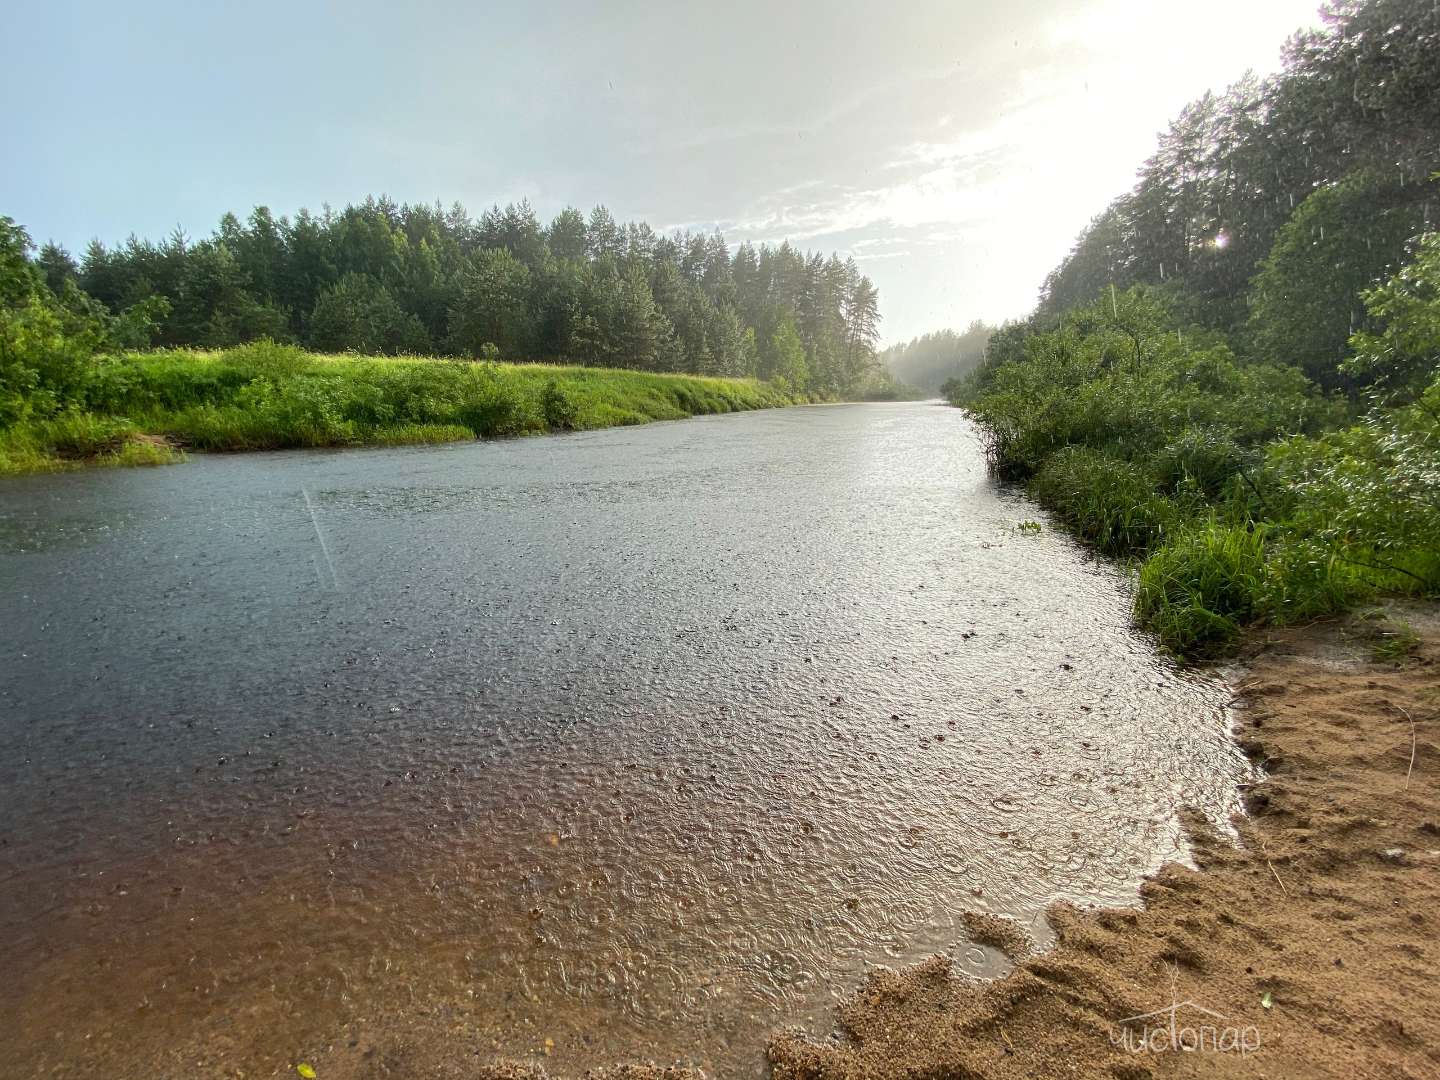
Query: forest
x=1234 y=377
x=386 y=279
x=1267 y=210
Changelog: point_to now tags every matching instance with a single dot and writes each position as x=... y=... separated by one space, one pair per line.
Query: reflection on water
x=643 y=742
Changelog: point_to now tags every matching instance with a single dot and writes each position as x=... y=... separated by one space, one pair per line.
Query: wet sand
x=1308 y=950
x=1325 y=911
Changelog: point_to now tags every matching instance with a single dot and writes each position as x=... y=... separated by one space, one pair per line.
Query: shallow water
x=643 y=742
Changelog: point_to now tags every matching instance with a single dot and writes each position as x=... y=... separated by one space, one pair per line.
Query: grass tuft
x=1197 y=590
x=1391 y=640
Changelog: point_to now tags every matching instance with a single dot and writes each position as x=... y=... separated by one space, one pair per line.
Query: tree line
x=388 y=278
x=1267 y=210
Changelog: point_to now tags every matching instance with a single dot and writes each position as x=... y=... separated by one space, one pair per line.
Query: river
x=636 y=743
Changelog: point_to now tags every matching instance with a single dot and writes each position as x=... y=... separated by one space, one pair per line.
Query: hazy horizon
x=953 y=150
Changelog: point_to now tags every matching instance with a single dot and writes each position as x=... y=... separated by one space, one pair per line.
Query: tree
x=566 y=235
x=1343 y=239
x=427 y=287
x=1401 y=357
x=493 y=306
x=520 y=233
x=639 y=326
x=261 y=255
x=358 y=314
x=1358 y=97
x=49 y=344
x=603 y=236
x=860 y=314
x=57 y=267
x=725 y=336
x=309 y=264
x=784 y=359
x=214 y=307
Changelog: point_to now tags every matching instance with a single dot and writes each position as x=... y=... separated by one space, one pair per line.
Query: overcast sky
x=954 y=148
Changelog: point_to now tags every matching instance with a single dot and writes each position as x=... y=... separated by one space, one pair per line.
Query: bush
x=559 y=408
x=1204 y=460
x=49 y=344
x=1244 y=485
x=267 y=360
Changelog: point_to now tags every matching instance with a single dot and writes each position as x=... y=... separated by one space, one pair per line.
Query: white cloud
x=1004 y=192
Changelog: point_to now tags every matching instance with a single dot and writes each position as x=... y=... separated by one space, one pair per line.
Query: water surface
x=643 y=742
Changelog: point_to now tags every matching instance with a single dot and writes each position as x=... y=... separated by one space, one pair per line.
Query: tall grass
x=1201 y=587
x=266 y=396
x=74 y=439
x=1106 y=500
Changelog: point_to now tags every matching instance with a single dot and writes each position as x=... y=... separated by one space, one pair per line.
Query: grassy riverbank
x=147 y=407
x=1241 y=491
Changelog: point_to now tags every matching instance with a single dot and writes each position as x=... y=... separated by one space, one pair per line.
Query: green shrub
x=1204 y=460
x=1307 y=581
x=559 y=408
x=267 y=360
x=1371 y=493
x=1253 y=495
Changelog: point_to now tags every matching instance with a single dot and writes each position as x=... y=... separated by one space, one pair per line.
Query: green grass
x=1198 y=589
x=1107 y=501
x=1395 y=646
x=77 y=440
x=146 y=407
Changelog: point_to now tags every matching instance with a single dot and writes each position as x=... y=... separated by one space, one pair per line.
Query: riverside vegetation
x=141 y=408
x=1242 y=397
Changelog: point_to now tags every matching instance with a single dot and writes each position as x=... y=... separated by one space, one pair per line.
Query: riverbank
x=1306 y=950
x=1244 y=493
x=148 y=408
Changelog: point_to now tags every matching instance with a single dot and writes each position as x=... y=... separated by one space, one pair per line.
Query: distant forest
x=388 y=278
x=930 y=361
x=1267 y=210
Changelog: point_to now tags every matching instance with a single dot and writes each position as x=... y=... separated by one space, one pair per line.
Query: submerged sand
x=1307 y=949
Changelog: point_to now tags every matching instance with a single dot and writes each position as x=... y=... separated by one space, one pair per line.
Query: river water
x=637 y=743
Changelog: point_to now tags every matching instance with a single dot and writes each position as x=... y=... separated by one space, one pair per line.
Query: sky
x=955 y=149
